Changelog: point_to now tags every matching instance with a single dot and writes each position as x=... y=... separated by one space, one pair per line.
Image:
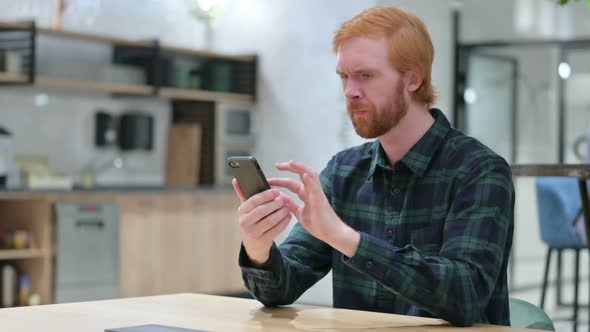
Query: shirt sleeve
x=456 y=284
x=294 y=266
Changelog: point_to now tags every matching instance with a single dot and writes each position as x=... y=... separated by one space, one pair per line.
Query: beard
x=377 y=122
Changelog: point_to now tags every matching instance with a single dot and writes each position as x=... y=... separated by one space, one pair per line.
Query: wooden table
x=212 y=313
x=579 y=171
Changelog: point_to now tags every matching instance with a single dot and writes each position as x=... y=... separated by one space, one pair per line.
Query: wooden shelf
x=92 y=86
x=94 y=37
x=15 y=25
x=208 y=54
x=13 y=78
x=129 y=89
x=10 y=254
x=176 y=93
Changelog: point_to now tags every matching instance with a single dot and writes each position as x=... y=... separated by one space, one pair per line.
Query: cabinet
x=169 y=241
x=33 y=215
x=179 y=243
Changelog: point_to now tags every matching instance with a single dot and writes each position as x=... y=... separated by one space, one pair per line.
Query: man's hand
x=262 y=218
x=316 y=215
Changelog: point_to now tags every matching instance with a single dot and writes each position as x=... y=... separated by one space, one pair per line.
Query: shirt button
x=396 y=191
x=369 y=265
x=389 y=233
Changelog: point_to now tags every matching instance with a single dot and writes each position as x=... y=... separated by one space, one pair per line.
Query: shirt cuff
x=373 y=256
x=269 y=270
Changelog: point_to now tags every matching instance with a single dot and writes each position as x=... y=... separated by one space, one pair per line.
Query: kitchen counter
x=166 y=237
x=159 y=190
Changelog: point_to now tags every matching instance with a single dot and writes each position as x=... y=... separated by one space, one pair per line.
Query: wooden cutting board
x=183 y=155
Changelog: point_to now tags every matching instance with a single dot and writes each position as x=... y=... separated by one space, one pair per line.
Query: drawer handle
x=90 y=223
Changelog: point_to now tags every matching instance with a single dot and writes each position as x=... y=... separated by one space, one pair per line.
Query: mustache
x=354 y=106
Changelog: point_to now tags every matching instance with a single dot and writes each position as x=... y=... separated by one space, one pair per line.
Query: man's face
x=373 y=88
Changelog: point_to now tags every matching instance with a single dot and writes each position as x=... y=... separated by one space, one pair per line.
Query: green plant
x=564 y=2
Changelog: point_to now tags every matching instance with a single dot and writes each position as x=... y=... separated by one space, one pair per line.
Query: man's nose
x=352 y=90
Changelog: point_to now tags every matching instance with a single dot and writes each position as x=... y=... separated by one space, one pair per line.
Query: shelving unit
x=13 y=78
x=207 y=54
x=94 y=86
x=187 y=94
x=94 y=37
x=221 y=77
x=26 y=214
x=14 y=254
x=177 y=228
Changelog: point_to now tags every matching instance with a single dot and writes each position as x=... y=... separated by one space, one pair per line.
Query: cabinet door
x=139 y=245
x=180 y=243
x=201 y=243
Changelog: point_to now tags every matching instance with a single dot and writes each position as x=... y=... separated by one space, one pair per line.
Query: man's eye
x=366 y=76
x=343 y=76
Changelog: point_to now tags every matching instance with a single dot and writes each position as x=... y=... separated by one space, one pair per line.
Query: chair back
x=528 y=316
x=559 y=206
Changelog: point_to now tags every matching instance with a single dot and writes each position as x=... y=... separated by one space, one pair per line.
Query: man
x=417 y=222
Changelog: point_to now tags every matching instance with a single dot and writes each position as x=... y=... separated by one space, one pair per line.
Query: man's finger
x=238 y=191
x=292 y=206
x=278 y=228
x=263 y=210
x=295 y=167
x=293 y=186
x=258 y=199
x=312 y=184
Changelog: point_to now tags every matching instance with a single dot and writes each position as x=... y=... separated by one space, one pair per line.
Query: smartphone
x=248 y=174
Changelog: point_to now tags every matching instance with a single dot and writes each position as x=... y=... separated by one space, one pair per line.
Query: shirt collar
x=420 y=155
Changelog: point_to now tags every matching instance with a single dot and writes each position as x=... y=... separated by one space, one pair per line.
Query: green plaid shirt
x=436 y=232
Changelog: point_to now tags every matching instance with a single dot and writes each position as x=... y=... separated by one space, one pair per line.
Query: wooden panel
x=215 y=313
x=15 y=25
x=38 y=270
x=208 y=54
x=219 y=244
x=139 y=245
x=185 y=94
x=35 y=217
x=170 y=242
x=13 y=78
x=94 y=86
x=94 y=37
x=183 y=155
x=180 y=243
x=203 y=114
x=10 y=254
x=31 y=215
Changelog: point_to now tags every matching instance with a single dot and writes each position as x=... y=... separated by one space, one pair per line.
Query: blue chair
x=559 y=208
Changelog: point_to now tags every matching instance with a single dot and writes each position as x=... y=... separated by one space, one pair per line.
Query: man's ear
x=413 y=80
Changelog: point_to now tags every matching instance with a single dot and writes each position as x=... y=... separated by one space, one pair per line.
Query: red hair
x=410 y=46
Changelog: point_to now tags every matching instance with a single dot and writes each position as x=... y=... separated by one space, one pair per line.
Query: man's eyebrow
x=364 y=70
x=358 y=71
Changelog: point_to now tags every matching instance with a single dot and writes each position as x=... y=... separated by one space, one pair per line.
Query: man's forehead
x=360 y=62
x=362 y=53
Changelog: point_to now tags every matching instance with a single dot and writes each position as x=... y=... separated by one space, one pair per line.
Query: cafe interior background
x=117 y=117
